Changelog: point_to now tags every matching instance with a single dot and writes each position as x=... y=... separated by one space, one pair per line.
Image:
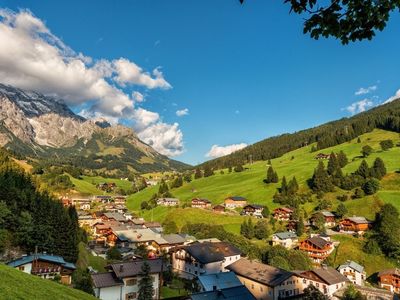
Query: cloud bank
x=33 y=58
x=360 y=106
x=182 y=112
x=218 y=151
x=367 y=90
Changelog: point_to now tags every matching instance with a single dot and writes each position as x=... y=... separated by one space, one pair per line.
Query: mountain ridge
x=39 y=126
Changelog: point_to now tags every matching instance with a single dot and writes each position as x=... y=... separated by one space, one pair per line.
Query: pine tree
x=146 y=289
x=321 y=182
x=342 y=159
x=284 y=187
x=366 y=150
x=341 y=210
x=333 y=164
x=238 y=168
x=363 y=169
x=293 y=186
x=387 y=226
x=198 y=174
x=270 y=175
x=300 y=226
x=208 y=171
x=275 y=178
x=378 y=169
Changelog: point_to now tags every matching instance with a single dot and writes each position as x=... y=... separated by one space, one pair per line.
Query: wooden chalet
x=253 y=210
x=317 y=248
x=355 y=224
x=168 y=201
x=45 y=266
x=322 y=156
x=235 y=202
x=390 y=280
x=219 y=208
x=328 y=217
x=107 y=186
x=282 y=213
x=201 y=203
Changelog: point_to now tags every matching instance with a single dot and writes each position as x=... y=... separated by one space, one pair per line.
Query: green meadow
x=87 y=185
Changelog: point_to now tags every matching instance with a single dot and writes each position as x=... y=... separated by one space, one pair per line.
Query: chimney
x=121 y=268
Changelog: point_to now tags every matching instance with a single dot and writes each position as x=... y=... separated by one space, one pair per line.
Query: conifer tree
x=341 y=210
x=378 y=169
x=300 y=226
x=363 y=169
x=198 y=174
x=333 y=164
x=293 y=186
x=342 y=159
x=275 y=178
x=366 y=150
x=146 y=289
x=208 y=171
x=270 y=175
x=321 y=182
x=387 y=226
x=284 y=186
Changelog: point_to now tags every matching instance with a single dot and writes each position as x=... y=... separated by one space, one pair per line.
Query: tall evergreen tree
x=198 y=174
x=341 y=210
x=208 y=171
x=321 y=182
x=387 y=226
x=342 y=159
x=333 y=164
x=146 y=289
x=293 y=186
x=284 y=186
x=378 y=169
x=300 y=226
x=270 y=175
x=363 y=169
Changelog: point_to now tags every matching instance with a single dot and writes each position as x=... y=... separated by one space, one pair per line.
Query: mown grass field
x=299 y=163
x=15 y=284
x=87 y=185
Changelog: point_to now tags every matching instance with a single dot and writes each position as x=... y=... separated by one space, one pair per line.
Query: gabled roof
x=201 y=200
x=351 y=264
x=234 y=293
x=328 y=275
x=167 y=200
x=394 y=271
x=116 y=216
x=55 y=259
x=140 y=235
x=262 y=273
x=358 y=220
x=133 y=268
x=207 y=252
x=236 y=198
x=107 y=279
x=286 y=235
x=318 y=241
x=327 y=213
x=255 y=206
x=173 y=238
x=219 y=280
x=286 y=209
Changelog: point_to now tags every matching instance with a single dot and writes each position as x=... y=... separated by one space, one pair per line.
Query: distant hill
x=385 y=117
x=42 y=127
x=15 y=284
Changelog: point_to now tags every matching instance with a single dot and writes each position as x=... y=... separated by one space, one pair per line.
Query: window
x=252 y=286
x=132 y=281
x=21 y=268
x=130 y=296
x=261 y=289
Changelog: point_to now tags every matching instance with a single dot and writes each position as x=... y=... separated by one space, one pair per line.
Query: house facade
x=254 y=210
x=390 y=280
x=353 y=271
x=201 y=203
x=219 y=208
x=327 y=280
x=317 y=248
x=45 y=266
x=329 y=218
x=168 y=201
x=266 y=282
x=235 y=202
x=355 y=224
x=286 y=239
x=121 y=282
x=282 y=213
x=203 y=258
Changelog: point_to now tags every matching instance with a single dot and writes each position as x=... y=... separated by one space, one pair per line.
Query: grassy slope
x=87 y=185
x=249 y=183
x=86 y=259
x=15 y=284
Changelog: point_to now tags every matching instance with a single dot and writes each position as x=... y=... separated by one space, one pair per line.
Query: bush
x=371 y=186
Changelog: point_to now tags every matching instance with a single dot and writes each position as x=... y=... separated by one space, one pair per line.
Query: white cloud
x=359 y=106
x=138 y=97
x=218 y=151
x=129 y=72
x=367 y=90
x=394 y=97
x=31 y=57
x=182 y=112
x=164 y=138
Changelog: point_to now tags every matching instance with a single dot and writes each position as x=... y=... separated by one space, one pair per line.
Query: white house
x=168 y=202
x=286 y=239
x=353 y=271
x=266 y=282
x=122 y=280
x=203 y=258
x=326 y=279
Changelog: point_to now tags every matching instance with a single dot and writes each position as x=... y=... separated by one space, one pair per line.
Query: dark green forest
x=30 y=219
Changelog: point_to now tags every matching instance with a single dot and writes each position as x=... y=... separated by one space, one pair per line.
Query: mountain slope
x=38 y=126
x=385 y=116
x=15 y=284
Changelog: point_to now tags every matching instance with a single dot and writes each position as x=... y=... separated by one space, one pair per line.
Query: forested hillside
x=29 y=218
x=385 y=117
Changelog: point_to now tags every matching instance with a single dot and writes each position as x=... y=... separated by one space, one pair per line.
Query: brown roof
x=389 y=272
x=107 y=279
x=133 y=268
x=328 y=275
x=289 y=210
x=318 y=241
x=209 y=252
x=259 y=272
x=152 y=224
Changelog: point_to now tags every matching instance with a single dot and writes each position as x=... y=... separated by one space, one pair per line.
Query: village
x=209 y=268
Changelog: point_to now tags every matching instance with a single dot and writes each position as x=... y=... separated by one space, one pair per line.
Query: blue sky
x=244 y=73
